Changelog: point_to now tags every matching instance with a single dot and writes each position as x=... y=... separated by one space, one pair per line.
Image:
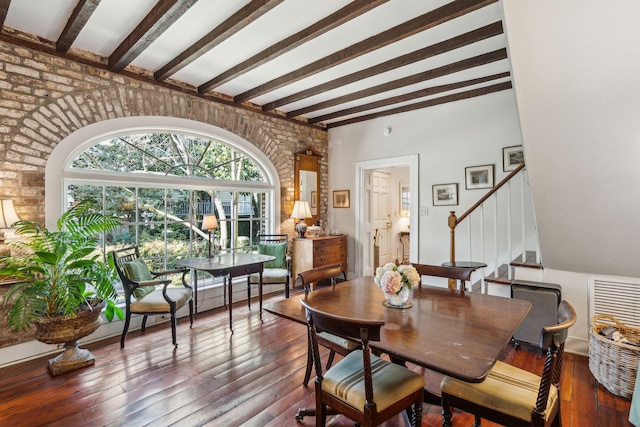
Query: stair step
x=529 y=262
x=503 y=274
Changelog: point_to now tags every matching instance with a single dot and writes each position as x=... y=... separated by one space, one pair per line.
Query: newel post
x=452 y=225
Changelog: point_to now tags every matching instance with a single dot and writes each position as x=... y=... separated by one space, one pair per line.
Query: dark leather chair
x=149 y=292
x=277 y=271
x=512 y=396
x=361 y=386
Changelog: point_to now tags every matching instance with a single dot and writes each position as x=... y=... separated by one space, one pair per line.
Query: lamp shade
x=209 y=222
x=301 y=209
x=7 y=213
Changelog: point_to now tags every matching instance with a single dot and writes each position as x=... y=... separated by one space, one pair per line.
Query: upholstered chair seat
x=391 y=382
x=508 y=389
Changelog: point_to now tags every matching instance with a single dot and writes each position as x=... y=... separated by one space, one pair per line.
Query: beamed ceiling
x=327 y=63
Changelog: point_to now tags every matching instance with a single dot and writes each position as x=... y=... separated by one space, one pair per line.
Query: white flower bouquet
x=392 y=278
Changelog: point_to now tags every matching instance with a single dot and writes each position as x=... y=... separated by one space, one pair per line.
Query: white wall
x=577 y=85
x=577 y=88
x=447 y=139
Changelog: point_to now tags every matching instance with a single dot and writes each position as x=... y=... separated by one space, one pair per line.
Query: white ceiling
x=113 y=20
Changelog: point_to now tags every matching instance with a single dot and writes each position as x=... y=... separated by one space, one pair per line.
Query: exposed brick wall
x=45 y=98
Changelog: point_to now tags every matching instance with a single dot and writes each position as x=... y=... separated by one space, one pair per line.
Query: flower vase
x=398 y=300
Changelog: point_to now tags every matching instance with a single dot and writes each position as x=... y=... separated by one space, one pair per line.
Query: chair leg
x=477 y=420
x=144 y=323
x=173 y=329
x=417 y=415
x=446 y=413
x=127 y=320
x=190 y=313
x=307 y=374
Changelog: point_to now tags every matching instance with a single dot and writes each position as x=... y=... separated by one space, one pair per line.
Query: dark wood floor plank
x=252 y=377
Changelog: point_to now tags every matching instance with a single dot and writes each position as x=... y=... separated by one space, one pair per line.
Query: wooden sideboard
x=312 y=252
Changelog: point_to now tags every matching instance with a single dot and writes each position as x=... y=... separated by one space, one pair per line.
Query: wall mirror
x=307 y=181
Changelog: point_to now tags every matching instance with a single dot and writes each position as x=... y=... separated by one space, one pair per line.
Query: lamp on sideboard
x=8 y=217
x=209 y=223
x=301 y=211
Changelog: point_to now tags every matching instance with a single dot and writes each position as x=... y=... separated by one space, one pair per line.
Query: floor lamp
x=209 y=223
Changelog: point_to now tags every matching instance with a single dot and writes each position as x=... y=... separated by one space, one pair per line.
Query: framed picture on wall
x=445 y=194
x=405 y=196
x=341 y=199
x=478 y=177
x=512 y=157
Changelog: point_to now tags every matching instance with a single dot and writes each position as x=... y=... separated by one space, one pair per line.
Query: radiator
x=544 y=299
x=618 y=297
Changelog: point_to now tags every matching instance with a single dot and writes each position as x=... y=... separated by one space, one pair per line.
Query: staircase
x=501 y=233
x=527 y=269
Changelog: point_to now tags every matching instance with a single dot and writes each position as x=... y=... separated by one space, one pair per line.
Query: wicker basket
x=614 y=364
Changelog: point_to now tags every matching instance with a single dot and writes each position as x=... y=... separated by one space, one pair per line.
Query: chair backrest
x=327 y=272
x=352 y=329
x=265 y=241
x=456 y=273
x=120 y=256
x=272 y=238
x=553 y=338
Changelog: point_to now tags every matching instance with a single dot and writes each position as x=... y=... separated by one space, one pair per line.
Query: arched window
x=160 y=183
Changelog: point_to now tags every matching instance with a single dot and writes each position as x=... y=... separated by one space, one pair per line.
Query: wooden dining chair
x=513 y=396
x=463 y=275
x=276 y=272
x=361 y=386
x=149 y=292
x=334 y=343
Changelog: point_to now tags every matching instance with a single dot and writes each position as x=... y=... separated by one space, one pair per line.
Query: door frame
x=363 y=231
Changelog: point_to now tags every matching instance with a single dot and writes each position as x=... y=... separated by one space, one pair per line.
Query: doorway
x=364 y=203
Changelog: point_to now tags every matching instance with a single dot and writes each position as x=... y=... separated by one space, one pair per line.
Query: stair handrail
x=453 y=221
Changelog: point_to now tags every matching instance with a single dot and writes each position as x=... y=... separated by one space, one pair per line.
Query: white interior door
x=381 y=216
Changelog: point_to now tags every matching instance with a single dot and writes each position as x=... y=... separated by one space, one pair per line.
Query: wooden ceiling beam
x=400 y=61
x=454 y=67
x=425 y=104
x=407 y=97
x=428 y=20
x=163 y=15
x=78 y=19
x=347 y=13
x=231 y=26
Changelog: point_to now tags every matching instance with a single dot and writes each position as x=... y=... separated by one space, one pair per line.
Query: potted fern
x=64 y=284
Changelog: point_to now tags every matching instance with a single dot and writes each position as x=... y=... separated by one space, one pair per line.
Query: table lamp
x=209 y=223
x=301 y=211
x=7 y=217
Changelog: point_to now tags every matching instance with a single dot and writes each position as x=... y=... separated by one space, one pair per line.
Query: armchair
x=147 y=293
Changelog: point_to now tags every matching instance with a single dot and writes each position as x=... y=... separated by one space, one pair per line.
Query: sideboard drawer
x=313 y=252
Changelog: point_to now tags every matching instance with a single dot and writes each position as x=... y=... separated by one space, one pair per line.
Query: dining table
x=459 y=334
x=228 y=265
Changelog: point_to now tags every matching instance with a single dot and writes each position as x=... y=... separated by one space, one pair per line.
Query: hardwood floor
x=213 y=378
